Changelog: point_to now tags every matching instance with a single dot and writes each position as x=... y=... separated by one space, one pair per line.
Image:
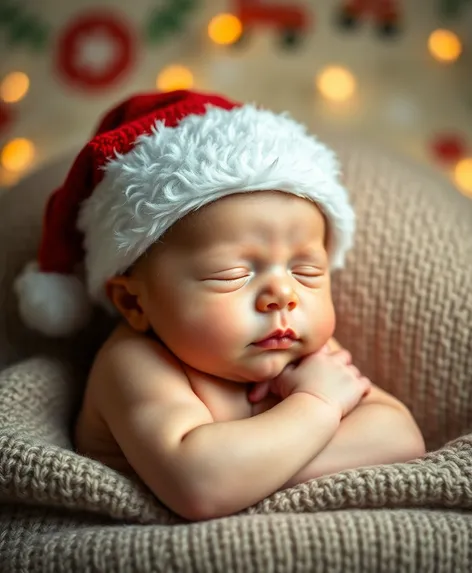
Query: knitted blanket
x=404 y=310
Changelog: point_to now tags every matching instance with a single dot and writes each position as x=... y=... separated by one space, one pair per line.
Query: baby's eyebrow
x=221 y=250
x=311 y=252
x=253 y=250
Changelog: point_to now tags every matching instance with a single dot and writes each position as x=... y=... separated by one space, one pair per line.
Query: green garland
x=167 y=20
x=451 y=8
x=21 y=28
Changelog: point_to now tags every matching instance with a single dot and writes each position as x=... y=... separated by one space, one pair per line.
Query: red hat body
x=61 y=247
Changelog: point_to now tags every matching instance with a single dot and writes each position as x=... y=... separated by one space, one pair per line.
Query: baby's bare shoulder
x=147 y=403
x=132 y=367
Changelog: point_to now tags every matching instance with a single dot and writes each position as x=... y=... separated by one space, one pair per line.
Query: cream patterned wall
x=80 y=57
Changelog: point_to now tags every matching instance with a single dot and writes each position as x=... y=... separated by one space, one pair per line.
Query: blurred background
x=396 y=73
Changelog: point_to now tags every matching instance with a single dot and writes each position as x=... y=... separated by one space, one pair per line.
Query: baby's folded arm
x=199 y=468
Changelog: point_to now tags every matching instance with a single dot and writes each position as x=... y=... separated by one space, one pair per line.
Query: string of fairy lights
x=336 y=84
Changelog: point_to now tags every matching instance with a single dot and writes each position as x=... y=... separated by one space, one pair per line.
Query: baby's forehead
x=216 y=233
x=256 y=214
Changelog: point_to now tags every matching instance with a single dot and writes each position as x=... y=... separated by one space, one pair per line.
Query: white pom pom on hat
x=153 y=159
x=52 y=303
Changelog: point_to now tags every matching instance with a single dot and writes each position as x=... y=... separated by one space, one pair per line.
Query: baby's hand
x=329 y=376
x=258 y=392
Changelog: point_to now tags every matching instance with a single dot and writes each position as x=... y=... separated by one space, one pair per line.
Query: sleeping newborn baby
x=211 y=229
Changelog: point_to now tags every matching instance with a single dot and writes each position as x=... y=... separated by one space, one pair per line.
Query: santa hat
x=155 y=158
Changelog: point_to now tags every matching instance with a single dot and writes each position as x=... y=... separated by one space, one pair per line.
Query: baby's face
x=233 y=273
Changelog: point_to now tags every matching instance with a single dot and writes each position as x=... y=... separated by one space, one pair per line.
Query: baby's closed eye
x=230 y=274
x=232 y=278
x=307 y=274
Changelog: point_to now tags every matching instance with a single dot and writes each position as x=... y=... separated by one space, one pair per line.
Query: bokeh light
x=174 y=78
x=14 y=87
x=444 y=45
x=336 y=83
x=17 y=154
x=225 y=29
x=463 y=176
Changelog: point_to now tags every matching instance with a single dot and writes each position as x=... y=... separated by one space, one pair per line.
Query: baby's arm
x=200 y=468
x=379 y=430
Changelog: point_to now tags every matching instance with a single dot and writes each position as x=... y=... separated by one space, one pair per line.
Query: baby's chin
x=267 y=367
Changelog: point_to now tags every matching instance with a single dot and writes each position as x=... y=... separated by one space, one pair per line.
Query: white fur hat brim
x=176 y=170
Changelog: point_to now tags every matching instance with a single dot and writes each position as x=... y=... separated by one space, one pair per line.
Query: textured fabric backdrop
x=404 y=310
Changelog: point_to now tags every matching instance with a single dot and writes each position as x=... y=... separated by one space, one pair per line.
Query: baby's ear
x=123 y=292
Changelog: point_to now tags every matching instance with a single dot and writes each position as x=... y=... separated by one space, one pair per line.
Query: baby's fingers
x=367 y=385
x=259 y=392
x=355 y=371
x=344 y=356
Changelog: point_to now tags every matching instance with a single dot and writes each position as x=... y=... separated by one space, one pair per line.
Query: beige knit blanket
x=404 y=307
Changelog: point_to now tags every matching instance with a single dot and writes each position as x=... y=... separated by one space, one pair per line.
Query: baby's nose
x=278 y=298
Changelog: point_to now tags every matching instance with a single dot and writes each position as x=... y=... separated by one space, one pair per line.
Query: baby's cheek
x=327 y=327
x=217 y=323
x=328 y=318
x=228 y=325
x=324 y=324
